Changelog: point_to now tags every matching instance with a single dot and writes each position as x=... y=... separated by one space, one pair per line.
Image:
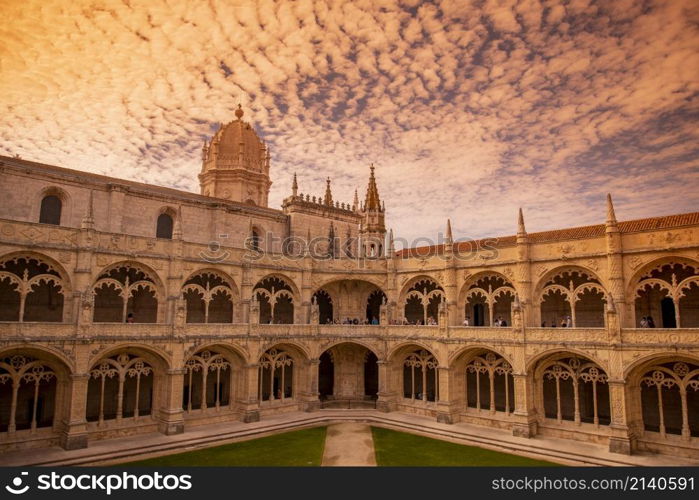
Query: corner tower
x=235 y=164
x=373 y=228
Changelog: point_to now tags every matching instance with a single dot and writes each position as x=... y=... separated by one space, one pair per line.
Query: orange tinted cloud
x=468 y=111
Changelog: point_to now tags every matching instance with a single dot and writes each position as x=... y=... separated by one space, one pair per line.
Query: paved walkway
x=349 y=444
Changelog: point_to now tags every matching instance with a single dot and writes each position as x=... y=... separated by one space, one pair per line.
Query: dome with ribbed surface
x=235 y=164
x=236 y=145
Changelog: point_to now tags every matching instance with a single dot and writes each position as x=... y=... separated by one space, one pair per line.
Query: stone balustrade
x=562 y=336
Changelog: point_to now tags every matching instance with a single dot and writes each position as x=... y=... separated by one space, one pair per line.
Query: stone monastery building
x=128 y=308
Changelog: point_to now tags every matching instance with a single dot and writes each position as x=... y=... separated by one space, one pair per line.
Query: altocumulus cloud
x=468 y=109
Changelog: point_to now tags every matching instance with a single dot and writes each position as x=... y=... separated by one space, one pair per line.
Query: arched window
x=120 y=386
x=575 y=389
x=420 y=380
x=422 y=302
x=164 y=229
x=50 y=210
x=27 y=393
x=276 y=376
x=207 y=381
x=489 y=383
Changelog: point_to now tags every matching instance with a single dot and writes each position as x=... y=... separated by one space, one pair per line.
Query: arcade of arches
x=130 y=388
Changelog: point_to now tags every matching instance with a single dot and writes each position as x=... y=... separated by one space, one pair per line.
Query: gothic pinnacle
x=294 y=187
x=328 y=199
x=521 y=231
x=611 y=216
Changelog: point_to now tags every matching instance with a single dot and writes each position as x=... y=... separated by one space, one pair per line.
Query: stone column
x=525 y=413
x=249 y=398
x=311 y=400
x=386 y=397
x=74 y=424
x=447 y=409
x=171 y=414
x=622 y=439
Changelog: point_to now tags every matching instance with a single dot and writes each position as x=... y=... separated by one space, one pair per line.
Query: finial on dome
x=239 y=112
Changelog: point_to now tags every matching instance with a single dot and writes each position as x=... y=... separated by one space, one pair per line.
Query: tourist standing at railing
x=467 y=321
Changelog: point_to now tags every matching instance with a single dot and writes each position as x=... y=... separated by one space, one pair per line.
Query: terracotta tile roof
x=573 y=233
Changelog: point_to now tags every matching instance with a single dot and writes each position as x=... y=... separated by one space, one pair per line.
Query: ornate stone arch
x=466 y=350
x=232 y=350
x=213 y=289
x=271 y=292
x=285 y=278
x=155 y=355
x=213 y=375
x=412 y=281
x=663 y=388
x=662 y=288
x=488 y=288
x=532 y=362
x=484 y=378
x=296 y=348
x=283 y=369
x=420 y=299
x=565 y=383
x=413 y=372
x=29 y=374
x=406 y=346
x=116 y=285
x=563 y=291
x=24 y=273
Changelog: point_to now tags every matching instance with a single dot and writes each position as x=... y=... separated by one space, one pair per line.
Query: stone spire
x=328 y=199
x=88 y=221
x=611 y=216
x=372 y=201
x=449 y=239
x=391 y=244
x=521 y=230
x=355 y=203
x=294 y=187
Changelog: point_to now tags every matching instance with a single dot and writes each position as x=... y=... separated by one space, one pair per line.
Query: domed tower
x=235 y=164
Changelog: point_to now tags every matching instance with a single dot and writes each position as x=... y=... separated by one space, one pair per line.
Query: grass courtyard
x=400 y=449
x=304 y=448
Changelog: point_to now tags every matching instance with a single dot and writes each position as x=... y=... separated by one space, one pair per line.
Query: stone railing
x=561 y=336
x=566 y=335
x=663 y=336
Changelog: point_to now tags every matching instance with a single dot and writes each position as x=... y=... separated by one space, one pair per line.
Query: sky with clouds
x=468 y=109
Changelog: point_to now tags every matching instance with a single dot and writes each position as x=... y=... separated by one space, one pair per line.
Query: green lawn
x=400 y=449
x=302 y=448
